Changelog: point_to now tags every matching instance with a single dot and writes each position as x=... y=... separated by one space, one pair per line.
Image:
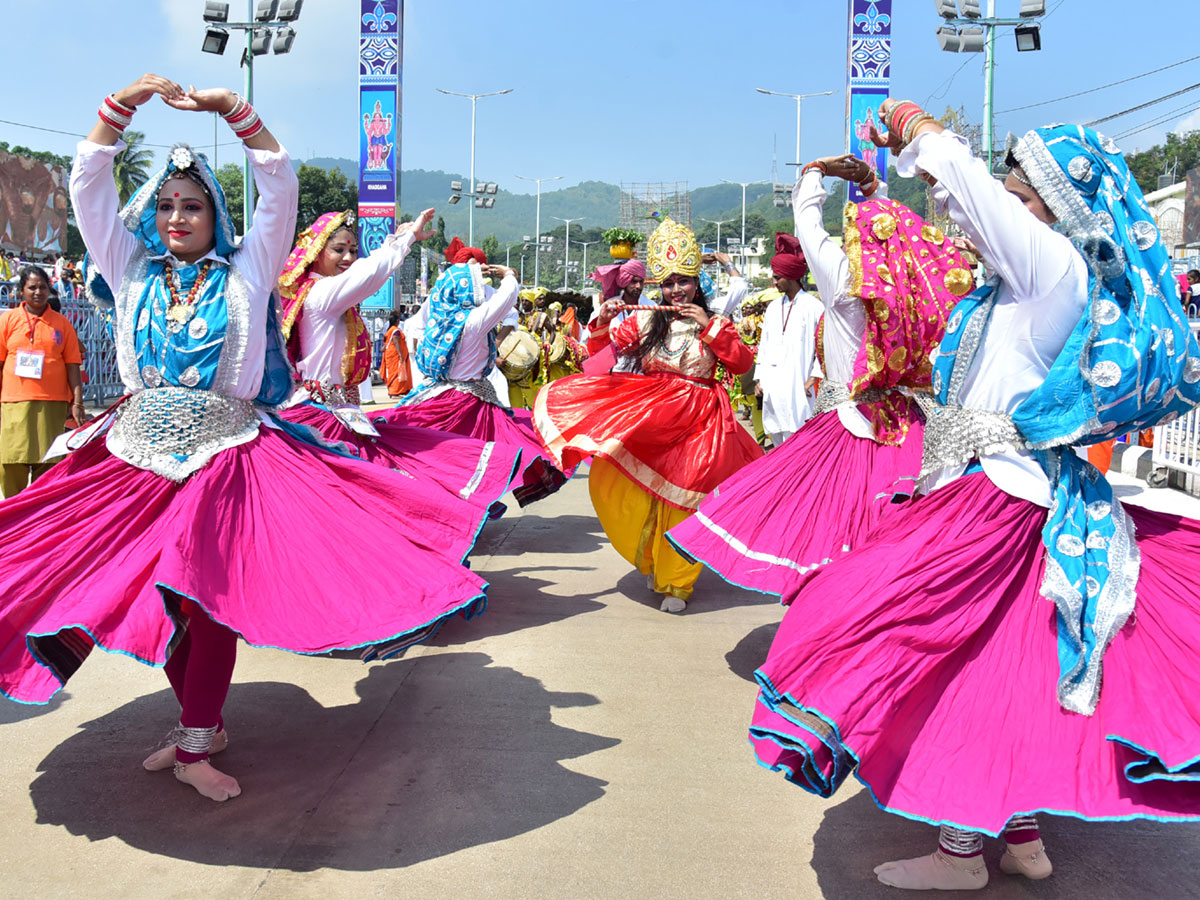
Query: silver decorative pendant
x=198 y=328
x=190 y=376
x=151 y=377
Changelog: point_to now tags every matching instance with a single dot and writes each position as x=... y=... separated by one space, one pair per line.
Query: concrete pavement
x=572 y=742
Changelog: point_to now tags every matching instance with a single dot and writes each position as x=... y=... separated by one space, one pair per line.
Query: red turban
x=458 y=252
x=615 y=278
x=789 y=261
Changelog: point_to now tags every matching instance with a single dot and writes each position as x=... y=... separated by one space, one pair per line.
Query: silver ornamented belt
x=174 y=431
x=832 y=394
x=955 y=435
x=479 y=387
x=332 y=394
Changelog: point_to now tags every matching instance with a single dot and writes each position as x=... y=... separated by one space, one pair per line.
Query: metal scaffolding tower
x=640 y=200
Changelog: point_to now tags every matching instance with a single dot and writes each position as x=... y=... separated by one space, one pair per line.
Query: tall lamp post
x=265 y=17
x=799 y=98
x=972 y=32
x=567 y=244
x=537 y=253
x=474 y=99
x=744 y=185
x=585 y=245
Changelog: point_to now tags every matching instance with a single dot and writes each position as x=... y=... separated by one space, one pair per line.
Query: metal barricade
x=94 y=329
x=1177 y=446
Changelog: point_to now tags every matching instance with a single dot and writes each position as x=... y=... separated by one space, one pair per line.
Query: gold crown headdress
x=672 y=251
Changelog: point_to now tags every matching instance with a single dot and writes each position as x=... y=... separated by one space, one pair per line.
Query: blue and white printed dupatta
x=457 y=291
x=1130 y=362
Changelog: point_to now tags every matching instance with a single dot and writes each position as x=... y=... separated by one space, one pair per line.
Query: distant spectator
x=395 y=370
x=40 y=382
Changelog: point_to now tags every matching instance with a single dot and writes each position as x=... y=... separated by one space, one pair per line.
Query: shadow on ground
x=11 y=712
x=1096 y=860
x=518 y=600
x=440 y=753
x=532 y=533
x=712 y=593
x=751 y=651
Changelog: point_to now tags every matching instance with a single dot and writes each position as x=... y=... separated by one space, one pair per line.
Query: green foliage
x=1180 y=150
x=619 y=235
x=229 y=176
x=439 y=241
x=322 y=191
x=490 y=246
x=45 y=156
x=131 y=167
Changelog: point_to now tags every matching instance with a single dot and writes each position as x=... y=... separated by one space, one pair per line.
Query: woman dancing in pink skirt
x=1015 y=640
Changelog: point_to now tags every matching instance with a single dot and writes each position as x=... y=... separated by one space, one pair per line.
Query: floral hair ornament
x=672 y=250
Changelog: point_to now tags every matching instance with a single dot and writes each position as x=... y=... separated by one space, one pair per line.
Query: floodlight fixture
x=489 y=202
x=284 y=38
x=289 y=10
x=972 y=40
x=526 y=238
x=948 y=39
x=1029 y=37
x=492 y=187
x=260 y=41
x=454 y=198
x=970 y=9
x=216 y=12
x=479 y=204
x=481 y=187
x=1032 y=9
x=456 y=185
x=264 y=10
x=946 y=9
x=215 y=40
x=780 y=202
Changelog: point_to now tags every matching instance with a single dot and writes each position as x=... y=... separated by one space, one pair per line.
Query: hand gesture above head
x=419 y=227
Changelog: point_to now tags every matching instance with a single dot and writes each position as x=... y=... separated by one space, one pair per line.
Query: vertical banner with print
x=380 y=64
x=868 y=79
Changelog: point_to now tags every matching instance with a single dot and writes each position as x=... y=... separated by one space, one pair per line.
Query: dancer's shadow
x=518 y=600
x=1096 y=860
x=751 y=651
x=441 y=753
x=712 y=593
x=543 y=534
x=11 y=712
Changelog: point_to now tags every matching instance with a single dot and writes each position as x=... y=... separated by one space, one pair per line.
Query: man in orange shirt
x=39 y=384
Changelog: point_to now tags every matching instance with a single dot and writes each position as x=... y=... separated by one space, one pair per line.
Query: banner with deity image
x=868 y=79
x=380 y=66
x=33 y=205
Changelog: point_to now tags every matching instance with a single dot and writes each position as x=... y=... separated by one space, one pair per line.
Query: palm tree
x=131 y=167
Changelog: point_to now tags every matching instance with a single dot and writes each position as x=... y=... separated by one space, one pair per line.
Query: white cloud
x=1188 y=123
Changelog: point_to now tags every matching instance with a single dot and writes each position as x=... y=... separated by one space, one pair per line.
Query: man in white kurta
x=786 y=367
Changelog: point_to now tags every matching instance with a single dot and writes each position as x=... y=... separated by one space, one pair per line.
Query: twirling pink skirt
x=461 y=413
x=479 y=472
x=927 y=658
x=771 y=525
x=266 y=539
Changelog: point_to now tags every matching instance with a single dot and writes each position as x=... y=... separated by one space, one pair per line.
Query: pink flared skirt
x=479 y=472
x=771 y=525
x=927 y=659
x=458 y=412
x=267 y=539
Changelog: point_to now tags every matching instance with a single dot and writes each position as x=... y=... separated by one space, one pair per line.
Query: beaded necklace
x=181 y=311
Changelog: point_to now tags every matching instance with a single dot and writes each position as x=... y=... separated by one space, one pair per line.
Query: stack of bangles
x=115 y=114
x=904 y=120
x=243 y=119
x=867 y=185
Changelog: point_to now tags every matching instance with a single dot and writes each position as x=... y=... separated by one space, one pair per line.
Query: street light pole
x=584 y=273
x=744 y=184
x=473 y=98
x=567 y=244
x=537 y=252
x=799 y=98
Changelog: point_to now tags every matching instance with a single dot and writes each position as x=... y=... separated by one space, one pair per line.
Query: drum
x=517 y=355
x=558 y=349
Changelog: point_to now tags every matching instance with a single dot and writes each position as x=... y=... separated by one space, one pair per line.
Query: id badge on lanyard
x=30 y=362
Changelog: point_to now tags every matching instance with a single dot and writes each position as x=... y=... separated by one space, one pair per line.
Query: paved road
x=573 y=742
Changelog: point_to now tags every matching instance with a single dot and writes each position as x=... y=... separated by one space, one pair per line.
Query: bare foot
x=211 y=783
x=936 y=872
x=165 y=758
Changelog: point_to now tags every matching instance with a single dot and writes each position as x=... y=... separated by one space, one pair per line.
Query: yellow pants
x=636 y=523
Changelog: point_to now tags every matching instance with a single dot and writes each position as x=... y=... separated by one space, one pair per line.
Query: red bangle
x=815 y=164
x=904 y=108
x=903 y=123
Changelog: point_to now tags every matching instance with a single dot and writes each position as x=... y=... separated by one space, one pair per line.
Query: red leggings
x=200 y=671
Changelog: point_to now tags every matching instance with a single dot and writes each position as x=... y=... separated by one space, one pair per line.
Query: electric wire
x=1140 y=106
x=1100 y=88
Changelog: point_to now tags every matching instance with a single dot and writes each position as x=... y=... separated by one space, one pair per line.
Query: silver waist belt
x=333 y=394
x=174 y=431
x=832 y=394
x=955 y=435
x=479 y=387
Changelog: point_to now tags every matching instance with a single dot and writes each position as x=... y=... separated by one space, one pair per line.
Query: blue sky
x=621 y=90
